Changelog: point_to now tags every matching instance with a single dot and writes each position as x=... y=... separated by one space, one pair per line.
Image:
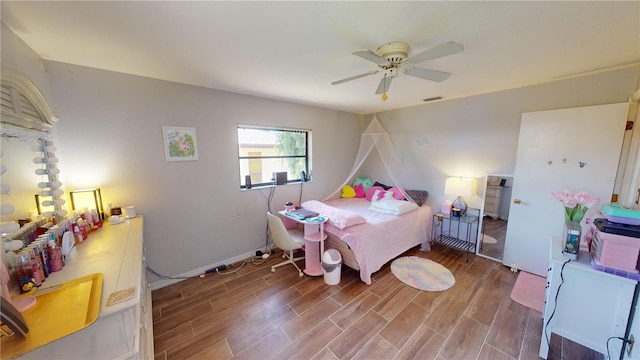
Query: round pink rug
x=422 y=274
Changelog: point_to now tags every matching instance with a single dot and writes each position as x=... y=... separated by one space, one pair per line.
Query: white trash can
x=331 y=266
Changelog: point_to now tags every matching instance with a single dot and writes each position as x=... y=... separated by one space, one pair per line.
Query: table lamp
x=90 y=198
x=460 y=187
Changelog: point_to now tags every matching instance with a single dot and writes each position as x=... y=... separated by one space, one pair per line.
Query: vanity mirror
x=28 y=156
x=497 y=200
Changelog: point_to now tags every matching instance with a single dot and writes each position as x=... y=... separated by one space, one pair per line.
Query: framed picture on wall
x=180 y=143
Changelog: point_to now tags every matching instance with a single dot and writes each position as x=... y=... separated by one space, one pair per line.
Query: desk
x=314 y=237
x=591 y=305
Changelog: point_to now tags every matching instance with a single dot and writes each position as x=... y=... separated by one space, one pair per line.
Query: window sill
x=270 y=186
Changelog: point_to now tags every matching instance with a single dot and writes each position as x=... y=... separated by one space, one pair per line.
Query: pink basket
x=615 y=251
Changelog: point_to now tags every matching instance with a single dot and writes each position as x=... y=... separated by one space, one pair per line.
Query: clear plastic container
x=24 y=271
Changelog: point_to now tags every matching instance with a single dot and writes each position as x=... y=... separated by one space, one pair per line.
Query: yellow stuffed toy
x=348 y=191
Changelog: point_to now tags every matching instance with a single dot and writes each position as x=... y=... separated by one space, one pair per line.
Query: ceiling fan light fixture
x=394 y=52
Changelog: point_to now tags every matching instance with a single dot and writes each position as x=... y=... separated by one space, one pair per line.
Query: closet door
x=574 y=149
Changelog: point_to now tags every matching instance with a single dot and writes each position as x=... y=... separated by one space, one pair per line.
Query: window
x=263 y=151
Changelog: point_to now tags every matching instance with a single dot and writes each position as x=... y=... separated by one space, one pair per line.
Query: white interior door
x=574 y=149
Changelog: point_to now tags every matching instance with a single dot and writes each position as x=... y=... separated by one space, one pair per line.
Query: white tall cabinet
x=123 y=330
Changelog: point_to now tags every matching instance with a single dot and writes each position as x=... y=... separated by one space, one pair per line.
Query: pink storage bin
x=615 y=251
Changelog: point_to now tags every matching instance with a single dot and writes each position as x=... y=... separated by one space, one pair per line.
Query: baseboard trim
x=199 y=271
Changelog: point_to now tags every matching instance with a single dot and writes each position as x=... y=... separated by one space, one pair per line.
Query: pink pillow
x=359 y=190
x=397 y=194
x=372 y=191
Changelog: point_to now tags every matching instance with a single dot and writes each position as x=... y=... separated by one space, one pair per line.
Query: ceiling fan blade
x=444 y=49
x=428 y=74
x=371 y=56
x=355 y=77
x=383 y=87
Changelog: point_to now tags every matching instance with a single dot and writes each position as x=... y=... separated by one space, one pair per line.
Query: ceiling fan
x=394 y=56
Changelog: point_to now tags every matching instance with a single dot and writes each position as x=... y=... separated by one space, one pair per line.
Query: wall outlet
x=514 y=268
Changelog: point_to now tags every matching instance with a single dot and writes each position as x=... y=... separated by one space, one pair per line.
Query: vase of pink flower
x=575 y=204
x=575 y=207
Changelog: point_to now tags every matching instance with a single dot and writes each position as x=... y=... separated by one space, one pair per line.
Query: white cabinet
x=492 y=201
x=123 y=330
x=591 y=305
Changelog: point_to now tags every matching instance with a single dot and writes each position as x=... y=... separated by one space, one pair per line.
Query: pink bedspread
x=383 y=237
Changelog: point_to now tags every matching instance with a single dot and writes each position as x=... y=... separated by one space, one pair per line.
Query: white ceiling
x=292 y=51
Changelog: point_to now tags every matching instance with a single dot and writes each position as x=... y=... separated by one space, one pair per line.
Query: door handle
x=517 y=201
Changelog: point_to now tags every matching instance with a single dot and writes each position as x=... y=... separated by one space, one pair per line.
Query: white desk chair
x=287 y=240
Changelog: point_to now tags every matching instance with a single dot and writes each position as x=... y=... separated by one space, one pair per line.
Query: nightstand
x=457 y=232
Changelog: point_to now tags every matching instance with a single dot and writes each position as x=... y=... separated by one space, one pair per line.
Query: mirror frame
x=482 y=213
x=14 y=112
x=27 y=115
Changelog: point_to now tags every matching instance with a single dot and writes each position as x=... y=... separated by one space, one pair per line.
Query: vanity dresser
x=123 y=328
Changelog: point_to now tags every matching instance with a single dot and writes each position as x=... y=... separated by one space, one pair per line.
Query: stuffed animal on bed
x=365 y=181
x=348 y=191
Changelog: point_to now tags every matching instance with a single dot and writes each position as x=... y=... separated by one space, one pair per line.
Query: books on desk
x=302 y=213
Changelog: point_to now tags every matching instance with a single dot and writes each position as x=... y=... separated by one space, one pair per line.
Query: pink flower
x=570 y=202
x=561 y=195
x=576 y=204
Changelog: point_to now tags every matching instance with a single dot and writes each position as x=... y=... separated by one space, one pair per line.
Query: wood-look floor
x=256 y=314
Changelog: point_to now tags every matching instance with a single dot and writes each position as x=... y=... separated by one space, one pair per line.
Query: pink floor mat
x=529 y=290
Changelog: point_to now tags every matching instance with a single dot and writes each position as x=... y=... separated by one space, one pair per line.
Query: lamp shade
x=87 y=198
x=460 y=186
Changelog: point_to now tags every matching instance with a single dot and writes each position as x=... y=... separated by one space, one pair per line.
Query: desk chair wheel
x=300 y=274
x=273 y=269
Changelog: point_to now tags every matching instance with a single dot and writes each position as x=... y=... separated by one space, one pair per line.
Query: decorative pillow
x=385 y=187
x=384 y=202
x=365 y=181
x=397 y=194
x=419 y=196
x=348 y=192
x=359 y=189
x=372 y=190
x=381 y=195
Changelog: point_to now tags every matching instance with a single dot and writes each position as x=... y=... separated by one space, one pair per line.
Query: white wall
x=19 y=57
x=478 y=135
x=110 y=136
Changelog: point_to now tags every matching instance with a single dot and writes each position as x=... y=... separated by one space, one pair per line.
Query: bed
x=369 y=243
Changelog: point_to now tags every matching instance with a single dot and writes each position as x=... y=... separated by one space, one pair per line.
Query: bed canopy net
x=376 y=137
